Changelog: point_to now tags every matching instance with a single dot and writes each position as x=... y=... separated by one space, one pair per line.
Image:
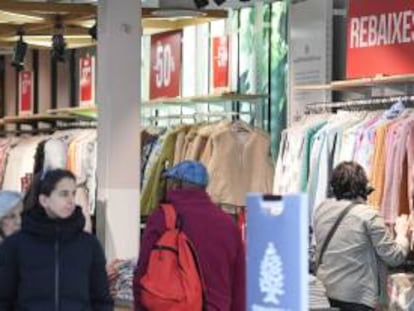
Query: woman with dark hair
x=352 y=256
x=51 y=263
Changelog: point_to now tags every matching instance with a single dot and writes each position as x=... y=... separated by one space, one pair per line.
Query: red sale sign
x=87 y=81
x=165 y=72
x=220 y=62
x=380 y=38
x=25 y=92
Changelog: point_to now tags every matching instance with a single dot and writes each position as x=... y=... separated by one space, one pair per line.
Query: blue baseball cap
x=8 y=201
x=193 y=172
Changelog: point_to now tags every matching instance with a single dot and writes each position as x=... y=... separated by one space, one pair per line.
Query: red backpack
x=172 y=281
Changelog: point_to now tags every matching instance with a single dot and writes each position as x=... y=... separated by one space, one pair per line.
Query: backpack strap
x=170 y=216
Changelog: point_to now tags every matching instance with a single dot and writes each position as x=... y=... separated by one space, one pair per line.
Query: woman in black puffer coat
x=51 y=264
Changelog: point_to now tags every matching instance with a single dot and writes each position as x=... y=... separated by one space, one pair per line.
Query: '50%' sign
x=165 y=76
x=164 y=66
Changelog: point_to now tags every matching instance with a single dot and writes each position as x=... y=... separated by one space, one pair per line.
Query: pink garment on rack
x=410 y=164
x=396 y=155
x=390 y=157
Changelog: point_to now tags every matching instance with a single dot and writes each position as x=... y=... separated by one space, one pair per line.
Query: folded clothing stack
x=121 y=273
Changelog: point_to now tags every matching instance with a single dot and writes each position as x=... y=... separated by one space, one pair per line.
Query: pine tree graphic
x=271 y=275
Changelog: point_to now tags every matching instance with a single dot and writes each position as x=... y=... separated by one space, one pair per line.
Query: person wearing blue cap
x=216 y=238
x=51 y=263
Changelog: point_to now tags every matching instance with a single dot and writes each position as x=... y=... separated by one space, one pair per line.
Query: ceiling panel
x=39 y=18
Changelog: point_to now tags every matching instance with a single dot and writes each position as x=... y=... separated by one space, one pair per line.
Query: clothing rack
x=360 y=103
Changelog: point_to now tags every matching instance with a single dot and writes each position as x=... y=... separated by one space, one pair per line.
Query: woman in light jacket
x=350 y=268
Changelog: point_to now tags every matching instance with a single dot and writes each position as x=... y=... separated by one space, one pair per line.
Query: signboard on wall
x=87 y=81
x=380 y=37
x=310 y=53
x=165 y=65
x=277 y=253
x=220 y=62
x=25 y=92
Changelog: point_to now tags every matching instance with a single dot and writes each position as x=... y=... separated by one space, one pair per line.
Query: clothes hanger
x=240 y=127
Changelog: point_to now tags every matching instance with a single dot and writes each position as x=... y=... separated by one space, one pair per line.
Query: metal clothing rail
x=196 y=115
x=360 y=102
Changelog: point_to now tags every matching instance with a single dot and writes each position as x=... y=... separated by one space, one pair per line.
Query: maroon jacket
x=218 y=244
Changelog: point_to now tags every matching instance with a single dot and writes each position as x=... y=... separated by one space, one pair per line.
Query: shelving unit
x=343 y=85
x=208 y=99
x=184 y=108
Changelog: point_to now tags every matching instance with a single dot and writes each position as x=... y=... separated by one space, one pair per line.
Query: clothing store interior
x=300 y=111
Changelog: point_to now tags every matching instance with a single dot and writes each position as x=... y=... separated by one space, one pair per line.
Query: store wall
x=44 y=80
x=63 y=84
x=10 y=88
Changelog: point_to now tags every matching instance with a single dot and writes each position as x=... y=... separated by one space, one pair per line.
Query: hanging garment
x=5 y=145
x=20 y=162
x=153 y=190
x=233 y=172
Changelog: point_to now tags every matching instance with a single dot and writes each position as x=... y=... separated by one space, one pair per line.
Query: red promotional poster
x=380 y=38
x=220 y=62
x=165 y=71
x=25 y=92
x=87 y=81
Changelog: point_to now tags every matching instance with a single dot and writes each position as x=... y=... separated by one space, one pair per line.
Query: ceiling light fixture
x=19 y=52
x=58 y=43
x=201 y=3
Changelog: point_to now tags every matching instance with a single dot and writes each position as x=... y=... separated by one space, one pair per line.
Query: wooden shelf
x=87 y=113
x=252 y=98
x=229 y=97
x=343 y=85
x=72 y=109
x=30 y=119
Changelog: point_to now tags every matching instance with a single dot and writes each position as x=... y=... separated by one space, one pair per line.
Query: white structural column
x=118 y=100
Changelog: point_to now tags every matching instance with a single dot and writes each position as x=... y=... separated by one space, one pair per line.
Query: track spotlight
x=58 y=47
x=201 y=3
x=58 y=43
x=93 y=32
x=219 y=2
x=19 y=53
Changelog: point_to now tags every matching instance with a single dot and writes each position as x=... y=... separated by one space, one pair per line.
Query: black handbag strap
x=332 y=232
